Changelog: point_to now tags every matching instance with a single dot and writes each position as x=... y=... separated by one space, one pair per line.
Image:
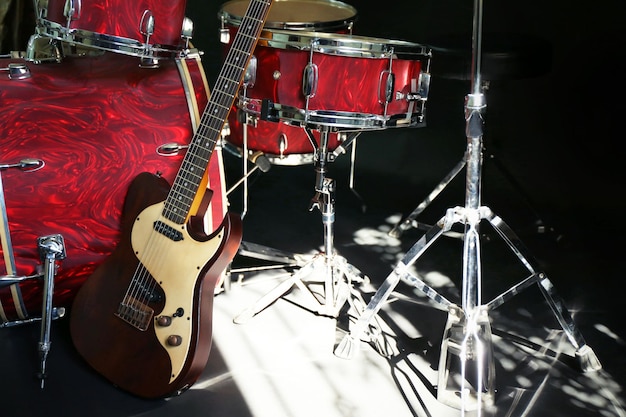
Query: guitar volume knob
x=164 y=321
x=174 y=340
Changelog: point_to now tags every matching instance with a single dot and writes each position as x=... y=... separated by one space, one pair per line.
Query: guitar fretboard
x=194 y=165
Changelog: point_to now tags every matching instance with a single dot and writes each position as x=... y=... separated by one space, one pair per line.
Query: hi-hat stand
x=326 y=269
x=467 y=341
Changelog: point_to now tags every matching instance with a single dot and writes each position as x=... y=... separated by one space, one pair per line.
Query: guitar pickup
x=168 y=231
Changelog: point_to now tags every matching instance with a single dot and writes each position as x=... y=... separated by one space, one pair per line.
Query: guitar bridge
x=135 y=313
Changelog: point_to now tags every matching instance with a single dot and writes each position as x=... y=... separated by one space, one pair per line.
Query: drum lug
x=249 y=77
x=72 y=11
x=224 y=36
x=170 y=149
x=424 y=85
x=283 y=144
x=146 y=25
x=310 y=78
x=187 y=31
x=17 y=71
x=386 y=87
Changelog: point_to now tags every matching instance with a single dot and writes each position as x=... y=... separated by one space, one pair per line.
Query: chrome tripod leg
x=347 y=347
x=587 y=358
x=410 y=221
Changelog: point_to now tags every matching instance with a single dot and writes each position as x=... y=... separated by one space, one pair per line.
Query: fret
x=195 y=163
x=216 y=131
x=220 y=96
x=223 y=79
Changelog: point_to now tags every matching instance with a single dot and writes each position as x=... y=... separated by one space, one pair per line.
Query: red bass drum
x=144 y=28
x=94 y=123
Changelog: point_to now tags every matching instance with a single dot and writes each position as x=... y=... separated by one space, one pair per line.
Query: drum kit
x=101 y=95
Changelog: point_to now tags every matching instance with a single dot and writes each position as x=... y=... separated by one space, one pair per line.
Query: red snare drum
x=341 y=81
x=96 y=123
x=282 y=143
x=143 y=28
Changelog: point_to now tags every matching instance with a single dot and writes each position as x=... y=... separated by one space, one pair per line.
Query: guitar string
x=143 y=283
x=142 y=277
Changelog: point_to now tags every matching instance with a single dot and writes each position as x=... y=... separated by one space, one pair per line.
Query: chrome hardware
x=386 y=86
x=310 y=78
x=17 y=71
x=170 y=149
x=72 y=11
x=249 y=78
x=26 y=164
x=187 y=30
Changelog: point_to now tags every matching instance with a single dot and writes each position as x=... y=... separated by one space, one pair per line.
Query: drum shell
x=96 y=122
x=346 y=84
x=118 y=21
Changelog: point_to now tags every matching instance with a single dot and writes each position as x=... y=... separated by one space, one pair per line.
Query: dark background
x=559 y=133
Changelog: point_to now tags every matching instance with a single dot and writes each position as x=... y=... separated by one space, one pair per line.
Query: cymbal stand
x=327 y=267
x=467 y=342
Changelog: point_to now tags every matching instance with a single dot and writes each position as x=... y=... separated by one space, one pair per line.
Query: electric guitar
x=143 y=319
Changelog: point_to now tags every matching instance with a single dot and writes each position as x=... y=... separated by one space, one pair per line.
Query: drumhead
x=344 y=45
x=316 y=15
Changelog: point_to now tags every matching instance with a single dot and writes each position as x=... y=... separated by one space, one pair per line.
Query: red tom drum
x=143 y=28
x=95 y=123
x=283 y=143
x=344 y=82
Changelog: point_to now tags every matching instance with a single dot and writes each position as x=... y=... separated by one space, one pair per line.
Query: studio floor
x=281 y=362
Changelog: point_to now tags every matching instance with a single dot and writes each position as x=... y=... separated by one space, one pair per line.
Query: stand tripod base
x=325 y=284
x=467 y=336
x=466 y=376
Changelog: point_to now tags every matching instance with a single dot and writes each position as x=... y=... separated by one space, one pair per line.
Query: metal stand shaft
x=467 y=348
x=327 y=268
x=51 y=249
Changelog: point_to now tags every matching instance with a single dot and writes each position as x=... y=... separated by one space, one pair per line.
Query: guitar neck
x=189 y=177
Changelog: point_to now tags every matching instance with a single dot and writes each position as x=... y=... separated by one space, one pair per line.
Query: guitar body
x=154 y=339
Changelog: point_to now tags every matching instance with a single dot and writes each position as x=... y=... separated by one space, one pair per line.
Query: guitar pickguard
x=175 y=265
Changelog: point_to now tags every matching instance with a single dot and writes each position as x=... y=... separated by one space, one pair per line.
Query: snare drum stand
x=467 y=342
x=327 y=267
